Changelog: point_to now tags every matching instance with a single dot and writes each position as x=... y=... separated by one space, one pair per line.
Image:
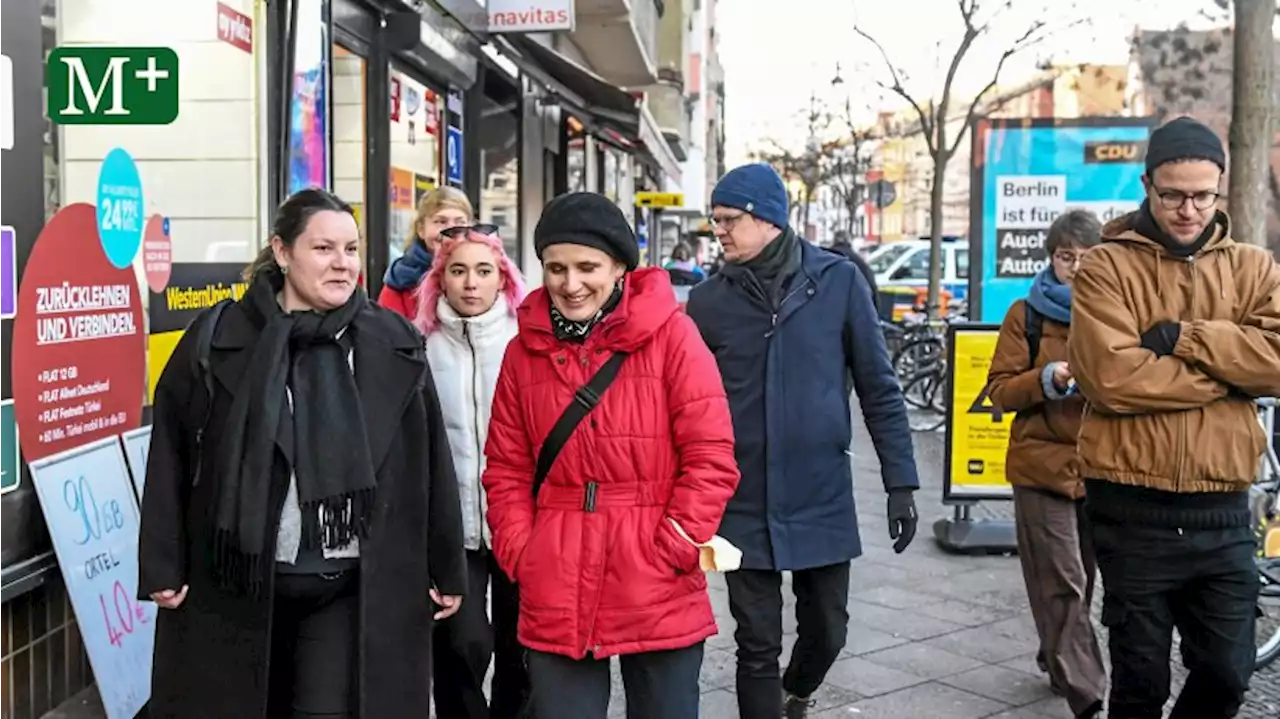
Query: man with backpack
x=1030 y=375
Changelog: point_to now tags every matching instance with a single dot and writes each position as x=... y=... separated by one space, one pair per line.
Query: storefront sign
x=977 y=432
x=234 y=28
x=421 y=186
x=93 y=521
x=11 y=464
x=659 y=199
x=1030 y=172
x=6 y=103
x=192 y=287
x=453 y=157
x=157 y=253
x=8 y=272
x=524 y=16
x=120 y=208
x=78 y=350
x=137 y=450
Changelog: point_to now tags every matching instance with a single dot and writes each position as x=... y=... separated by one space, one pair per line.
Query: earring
x=284 y=269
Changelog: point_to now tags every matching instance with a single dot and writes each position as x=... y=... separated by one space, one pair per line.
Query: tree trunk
x=1250 y=135
x=935 y=234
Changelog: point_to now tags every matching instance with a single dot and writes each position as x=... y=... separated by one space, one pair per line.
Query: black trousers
x=822 y=626
x=658 y=685
x=464 y=643
x=1202 y=582
x=314 y=633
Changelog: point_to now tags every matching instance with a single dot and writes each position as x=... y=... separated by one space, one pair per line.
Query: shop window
x=500 y=161
x=309 y=161
x=349 y=131
x=576 y=157
x=416 y=125
x=611 y=174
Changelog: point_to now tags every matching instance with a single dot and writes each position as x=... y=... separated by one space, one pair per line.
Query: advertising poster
x=93 y=520
x=309 y=110
x=977 y=433
x=192 y=288
x=422 y=184
x=1025 y=174
x=137 y=449
x=157 y=251
x=8 y=273
x=78 y=345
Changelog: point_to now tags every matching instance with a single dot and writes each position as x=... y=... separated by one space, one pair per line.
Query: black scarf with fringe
x=307 y=353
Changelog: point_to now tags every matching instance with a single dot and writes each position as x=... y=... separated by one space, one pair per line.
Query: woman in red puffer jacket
x=602 y=569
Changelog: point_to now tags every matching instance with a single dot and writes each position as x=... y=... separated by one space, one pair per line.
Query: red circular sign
x=78 y=343
x=157 y=253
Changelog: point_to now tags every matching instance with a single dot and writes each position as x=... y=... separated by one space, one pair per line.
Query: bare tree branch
x=925 y=125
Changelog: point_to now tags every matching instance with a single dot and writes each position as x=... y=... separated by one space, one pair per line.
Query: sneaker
x=795 y=707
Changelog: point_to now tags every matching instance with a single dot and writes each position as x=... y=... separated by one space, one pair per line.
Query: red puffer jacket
x=619 y=579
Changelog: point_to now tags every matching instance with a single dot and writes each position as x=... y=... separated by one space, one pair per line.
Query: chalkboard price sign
x=89 y=506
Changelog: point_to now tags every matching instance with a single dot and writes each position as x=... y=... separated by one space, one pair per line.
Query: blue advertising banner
x=1025 y=174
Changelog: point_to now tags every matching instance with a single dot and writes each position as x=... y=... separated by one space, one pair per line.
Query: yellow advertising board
x=977 y=432
x=659 y=199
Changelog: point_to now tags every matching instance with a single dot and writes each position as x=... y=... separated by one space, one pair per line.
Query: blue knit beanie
x=755 y=189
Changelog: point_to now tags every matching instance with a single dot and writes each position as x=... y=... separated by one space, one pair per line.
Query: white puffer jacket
x=465 y=355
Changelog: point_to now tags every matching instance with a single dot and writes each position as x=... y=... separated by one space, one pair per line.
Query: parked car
x=904 y=266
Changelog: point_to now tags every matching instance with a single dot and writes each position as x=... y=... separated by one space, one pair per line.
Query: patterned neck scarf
x=568 y=330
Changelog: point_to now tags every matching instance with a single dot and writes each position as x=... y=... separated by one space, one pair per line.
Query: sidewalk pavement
x=931 y=635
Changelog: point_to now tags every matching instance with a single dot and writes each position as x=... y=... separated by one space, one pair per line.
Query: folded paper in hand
x=717 y=555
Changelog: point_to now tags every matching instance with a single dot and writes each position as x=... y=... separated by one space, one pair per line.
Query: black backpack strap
x=584 y=400
x=204 y=347
x=1034 y=331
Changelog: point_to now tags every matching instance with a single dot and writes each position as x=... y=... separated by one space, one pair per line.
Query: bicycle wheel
x=921 y=392
x=917 y=355
x=1267 y=630
x=917 y=389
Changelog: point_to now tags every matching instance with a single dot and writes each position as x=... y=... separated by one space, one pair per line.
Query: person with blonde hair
x=440 y=209
x=467 y=309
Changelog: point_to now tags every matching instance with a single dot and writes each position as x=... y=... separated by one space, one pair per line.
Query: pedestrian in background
x=1030 y=375
x=609 y=395
x=683 y=268
x=467 y=310
x=1175 y=329
x=790 y=325
x=438 y=210
x=301 y=510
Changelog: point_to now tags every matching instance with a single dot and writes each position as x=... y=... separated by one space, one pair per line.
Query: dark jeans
x=658 y=685
x=463 y=644
x=1202 y=582
x=822 y=625
x=314 y=633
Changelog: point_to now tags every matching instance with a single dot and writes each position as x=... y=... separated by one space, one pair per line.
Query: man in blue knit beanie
x=790 y=324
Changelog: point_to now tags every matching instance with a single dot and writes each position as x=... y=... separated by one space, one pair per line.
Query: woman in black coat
x=302 y=544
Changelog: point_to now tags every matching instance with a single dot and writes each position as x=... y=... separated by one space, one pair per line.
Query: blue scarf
x=406 y=272
x=1050 y=297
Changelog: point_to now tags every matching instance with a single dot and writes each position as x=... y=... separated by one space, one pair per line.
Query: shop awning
x=616 y=111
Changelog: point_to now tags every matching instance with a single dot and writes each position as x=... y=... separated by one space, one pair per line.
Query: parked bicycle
x=1265 y=496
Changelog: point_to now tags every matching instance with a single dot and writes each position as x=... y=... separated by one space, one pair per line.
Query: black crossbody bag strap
x=204 y=348
x=584 y=400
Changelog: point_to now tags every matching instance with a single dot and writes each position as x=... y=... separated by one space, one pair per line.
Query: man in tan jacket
x=1175 y=328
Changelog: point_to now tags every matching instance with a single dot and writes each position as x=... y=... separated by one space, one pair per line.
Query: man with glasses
x=1175 y=329
x=789 y=324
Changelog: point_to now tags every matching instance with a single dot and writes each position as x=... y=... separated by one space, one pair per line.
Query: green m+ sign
x=112 y=85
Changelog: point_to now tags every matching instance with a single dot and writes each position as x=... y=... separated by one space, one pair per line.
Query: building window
x=416 y=112
x=576 y=158
x=500 y=160
x=349 y=130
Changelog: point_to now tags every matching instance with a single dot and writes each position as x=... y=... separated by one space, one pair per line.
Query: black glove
x=1161 y=338
x=902 y=518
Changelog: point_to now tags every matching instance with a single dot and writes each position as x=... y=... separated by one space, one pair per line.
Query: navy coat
x=786 y=375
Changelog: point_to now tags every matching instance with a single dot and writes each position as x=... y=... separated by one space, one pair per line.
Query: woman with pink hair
x=467 y=309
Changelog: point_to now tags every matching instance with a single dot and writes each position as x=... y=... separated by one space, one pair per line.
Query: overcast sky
x=775 y=54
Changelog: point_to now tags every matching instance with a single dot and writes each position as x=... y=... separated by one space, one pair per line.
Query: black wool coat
x=211 y=654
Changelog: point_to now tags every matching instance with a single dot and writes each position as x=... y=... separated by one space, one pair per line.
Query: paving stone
x=1006 y=685
x=887 y=595
x=899 y=622
x=932 y=700
x=863 y=639
x=718 y=704
x=1017 y=714
x=868 y=678
x=965 y=613
x=1051 y=708
x=983 y=644
x=1025 y=664
x=923 y=661
x=718 y=669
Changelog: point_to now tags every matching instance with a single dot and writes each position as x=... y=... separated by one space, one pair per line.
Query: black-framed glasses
x=461 y=231
x=1175 y=199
